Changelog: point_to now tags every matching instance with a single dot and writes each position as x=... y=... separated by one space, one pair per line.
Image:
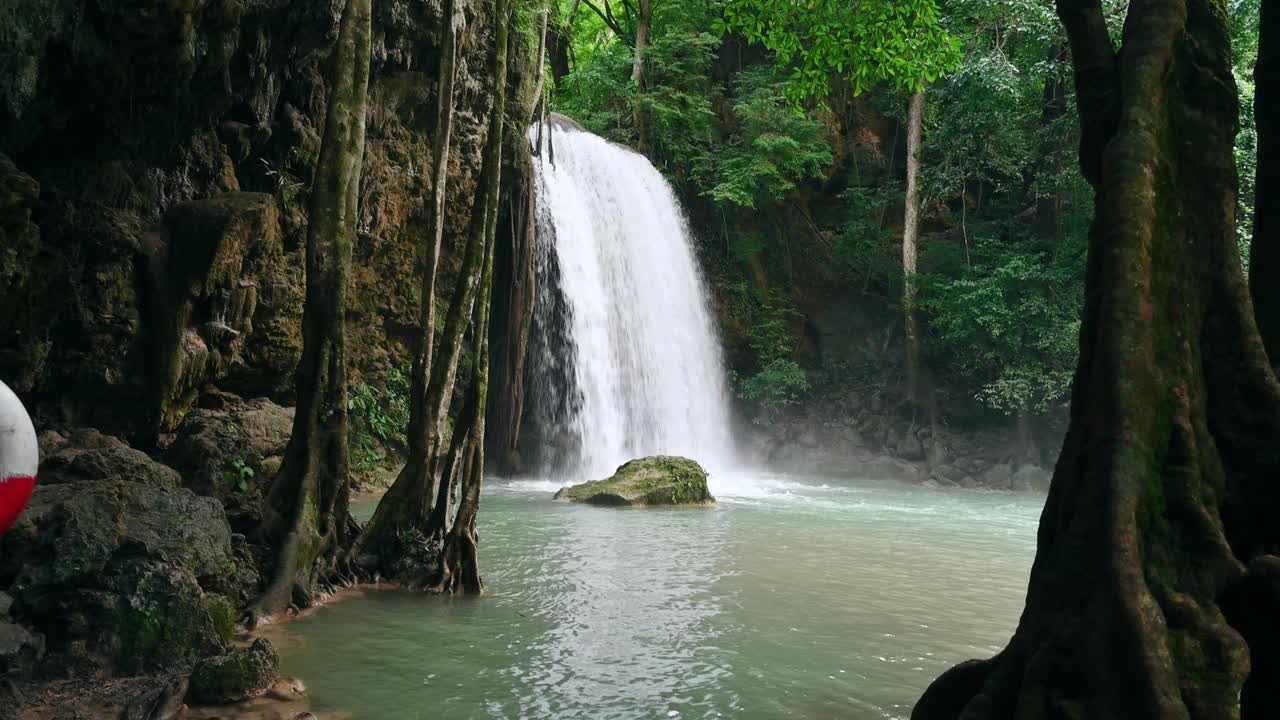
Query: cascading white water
x=637 y=347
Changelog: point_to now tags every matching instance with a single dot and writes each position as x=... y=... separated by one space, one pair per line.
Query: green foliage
x=240 y=475
x=379 y=418
x=1244 y=36
x=678 y=95
x=774 y=148
x=285 y=182
x=866 y=245
x=868 y=42
x=687 y=487
x=793 y=196
x=1010 y=325
x=780 y=383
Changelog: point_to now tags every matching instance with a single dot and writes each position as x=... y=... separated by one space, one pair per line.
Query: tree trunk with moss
x=306 y=519
x=424 y=418
x=1155 y=584
x=1264 y=255
x=402 y=539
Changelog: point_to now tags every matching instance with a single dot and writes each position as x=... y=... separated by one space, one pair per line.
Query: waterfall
x=626 y=361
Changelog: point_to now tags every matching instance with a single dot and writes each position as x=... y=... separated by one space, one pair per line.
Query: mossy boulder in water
x=658 y=480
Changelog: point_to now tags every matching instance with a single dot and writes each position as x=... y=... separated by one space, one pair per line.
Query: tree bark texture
x=1155 y=587
x=307 y=516
x=407 y=505
x=423 y=417
x=910 y=241
x=1264 y=254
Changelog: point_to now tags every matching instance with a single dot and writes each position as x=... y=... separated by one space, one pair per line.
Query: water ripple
x=793 y=598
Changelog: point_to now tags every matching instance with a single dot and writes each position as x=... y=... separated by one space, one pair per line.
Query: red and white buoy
x=19 y=458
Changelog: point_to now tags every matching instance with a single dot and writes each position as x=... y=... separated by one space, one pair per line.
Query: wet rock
x=658 y=480
x=1030 y=478
x=160 y=703
x=949 y=475
x=287 y=690
x=910 y=448
x=89 y=455
x=6 y=602
x=939 y=454
x=210 y=258
x=889 y=468
x=13 y=638
x=997 y=476
x=213 y=453
x=112 y=571
x=70 y=534
x=236 y=675
x=266 y=425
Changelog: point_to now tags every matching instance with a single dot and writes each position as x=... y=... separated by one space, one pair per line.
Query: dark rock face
x=237 y=675
x=152 y=246
x=116 y=569
x=90 y=455
x=859 y=438
x=213 y=453
x=658 y=480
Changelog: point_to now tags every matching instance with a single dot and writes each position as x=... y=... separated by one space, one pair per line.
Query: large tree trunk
x=1264 y=254
x=406 y=509
x=642 y=41
x=1154 y=563
x=459 y=556
x=1049 y=205
x=559 y=42
x=424 y=415
x=919 y=387
x=307 y=518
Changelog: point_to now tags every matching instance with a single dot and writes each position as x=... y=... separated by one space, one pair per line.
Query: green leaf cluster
x=866 y=42
x=773 y=147
x=379 y=418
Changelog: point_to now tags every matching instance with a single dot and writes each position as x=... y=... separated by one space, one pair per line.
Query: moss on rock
x=236 y=675
x=161 y=619
x=657 y=480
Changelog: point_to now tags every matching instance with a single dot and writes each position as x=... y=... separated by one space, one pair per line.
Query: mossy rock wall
x=154 y=169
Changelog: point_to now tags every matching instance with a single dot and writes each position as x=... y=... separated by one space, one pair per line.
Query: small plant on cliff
x=286 y=184
x=240 y=475
x=379 y=418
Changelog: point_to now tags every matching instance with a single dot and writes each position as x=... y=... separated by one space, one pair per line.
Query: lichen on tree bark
x=1154 y=551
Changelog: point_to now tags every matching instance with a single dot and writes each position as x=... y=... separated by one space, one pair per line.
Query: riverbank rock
x=88 y=455
x=658 y=480
x=121 y=576
x=237 y=675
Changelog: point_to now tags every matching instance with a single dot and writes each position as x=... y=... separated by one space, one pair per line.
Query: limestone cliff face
x=154 y=164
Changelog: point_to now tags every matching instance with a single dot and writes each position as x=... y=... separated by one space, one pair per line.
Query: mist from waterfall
x=626 y=361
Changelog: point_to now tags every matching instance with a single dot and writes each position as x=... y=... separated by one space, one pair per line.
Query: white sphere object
x=19 y=457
